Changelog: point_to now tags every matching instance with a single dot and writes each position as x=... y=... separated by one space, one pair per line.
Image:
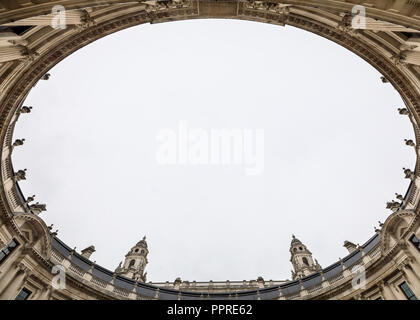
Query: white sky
x=334 y=148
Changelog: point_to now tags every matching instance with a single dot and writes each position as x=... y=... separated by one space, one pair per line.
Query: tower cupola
x=135 y=262
x=302 y=261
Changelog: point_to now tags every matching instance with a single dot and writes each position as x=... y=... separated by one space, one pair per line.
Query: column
x=412 y=279
x=10 y=263
x=7 y=279
x=378 y=25
x=412 y=57
x=414 y=256
x=71 y=17
x=35 y=295
x=46 y=293
x=9 y=39
x=386 y=291
x=15 y=285
x=11 y=53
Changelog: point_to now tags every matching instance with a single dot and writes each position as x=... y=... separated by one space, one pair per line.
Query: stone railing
x=116 y=286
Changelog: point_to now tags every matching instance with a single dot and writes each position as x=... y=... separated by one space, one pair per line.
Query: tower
x=302 y=261
x=135 y=262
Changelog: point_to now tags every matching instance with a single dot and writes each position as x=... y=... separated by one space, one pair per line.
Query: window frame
x=26 y=291
x=417 y=246
x=408 y=293
x=8 y=249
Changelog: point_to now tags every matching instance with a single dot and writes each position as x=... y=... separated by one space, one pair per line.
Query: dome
x=142 y=243
x=295 y=241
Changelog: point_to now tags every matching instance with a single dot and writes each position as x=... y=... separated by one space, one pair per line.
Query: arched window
x=305 y=261
x=132 y=262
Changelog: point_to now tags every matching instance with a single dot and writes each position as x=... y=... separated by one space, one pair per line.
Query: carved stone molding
x=37 y=65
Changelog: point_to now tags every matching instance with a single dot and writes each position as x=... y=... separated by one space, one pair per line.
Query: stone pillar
x=325 y=283
x=412 y=57
x=414 y=254
x=71 y=17
x=358 y=297
x=10 y=39
x=35 y=295
x=11 y=53
x=412 y=279
x=365 y=257
x=10 y=292
x=386 y=291
x=378 y=25
x=9 y=267
x=7 y=279
x=46 y=293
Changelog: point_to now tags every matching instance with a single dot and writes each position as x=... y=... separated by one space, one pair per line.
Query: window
x=415 y=241
x=19 y=30
x=131 y=263
x=407 y=291
x=23 y=294
x=8 y=249
x=305 y=261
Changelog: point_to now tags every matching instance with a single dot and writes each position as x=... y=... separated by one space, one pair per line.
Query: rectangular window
x=415 y=241
x=23 y=294
x=8 y=249
x=407 y=291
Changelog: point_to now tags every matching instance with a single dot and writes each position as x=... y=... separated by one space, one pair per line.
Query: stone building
x=302 y=260
x=35 y=264
x=135 y=262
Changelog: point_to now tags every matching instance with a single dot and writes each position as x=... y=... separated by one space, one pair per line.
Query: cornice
x=27 y=74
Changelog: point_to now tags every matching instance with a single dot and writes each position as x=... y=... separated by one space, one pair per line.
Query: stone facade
x=35 y=264
x=301 y=259
x=135 y=262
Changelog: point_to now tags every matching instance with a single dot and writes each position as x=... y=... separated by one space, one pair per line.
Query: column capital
x=358 y=296
x=405 y=264
x=381 y=285
x=22 y=267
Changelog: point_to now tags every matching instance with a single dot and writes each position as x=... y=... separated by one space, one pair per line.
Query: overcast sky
x=334 y=148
